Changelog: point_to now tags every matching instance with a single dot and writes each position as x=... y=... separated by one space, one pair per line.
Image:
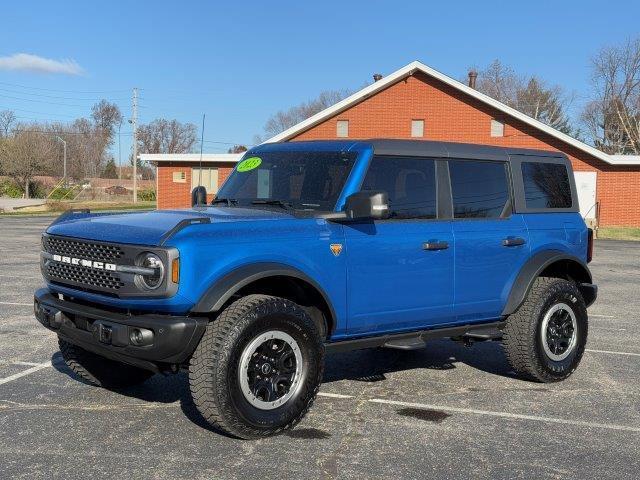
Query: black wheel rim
x=558 y=331
x=270 y=369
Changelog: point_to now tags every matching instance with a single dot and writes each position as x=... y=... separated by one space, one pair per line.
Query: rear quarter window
x=546 y=185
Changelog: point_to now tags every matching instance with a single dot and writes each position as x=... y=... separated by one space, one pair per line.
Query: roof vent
x=473 y=75
x=376 y=77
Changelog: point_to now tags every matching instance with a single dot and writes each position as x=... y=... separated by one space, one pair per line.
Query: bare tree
x=167 y=136
x=546 y=104
x=237 y=149
x=285 y=119
x=106 y=116
x=530 y=95
x=7 y=120
x=499 y=81
x=25 y=155
x=612 y=119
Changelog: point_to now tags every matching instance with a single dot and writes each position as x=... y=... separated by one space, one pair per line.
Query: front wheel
x=544 y=340
x=257 y=368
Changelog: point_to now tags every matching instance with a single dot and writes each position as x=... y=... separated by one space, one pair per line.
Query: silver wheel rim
x=559 y=332
x=254 y=363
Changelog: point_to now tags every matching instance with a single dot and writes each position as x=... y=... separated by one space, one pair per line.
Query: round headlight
x=152 y=281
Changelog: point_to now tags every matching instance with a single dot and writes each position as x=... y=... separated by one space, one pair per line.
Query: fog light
x=141 y=336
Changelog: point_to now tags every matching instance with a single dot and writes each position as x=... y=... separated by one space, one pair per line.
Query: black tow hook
x=48 y=316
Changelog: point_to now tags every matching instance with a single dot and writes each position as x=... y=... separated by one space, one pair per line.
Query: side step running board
x=416 y=340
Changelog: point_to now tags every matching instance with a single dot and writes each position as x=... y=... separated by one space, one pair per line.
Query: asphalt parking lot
x=444 y=412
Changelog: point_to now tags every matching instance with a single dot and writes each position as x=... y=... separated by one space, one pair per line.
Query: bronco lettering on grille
x=85 y=263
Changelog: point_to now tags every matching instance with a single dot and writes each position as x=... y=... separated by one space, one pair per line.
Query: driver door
x=400 y=270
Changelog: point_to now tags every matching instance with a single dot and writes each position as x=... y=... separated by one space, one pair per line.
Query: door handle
x=435 y=245
x=513 y=241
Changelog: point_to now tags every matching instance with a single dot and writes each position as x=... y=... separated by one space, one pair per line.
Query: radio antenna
x=201 y=144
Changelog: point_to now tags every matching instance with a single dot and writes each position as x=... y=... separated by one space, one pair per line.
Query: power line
x=63 y=91
x=38 y=113
x=44 y=101
x=63 y=98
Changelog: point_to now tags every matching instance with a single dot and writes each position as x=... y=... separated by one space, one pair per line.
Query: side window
x=410 y=183
x=546 y=185
x=479 y=189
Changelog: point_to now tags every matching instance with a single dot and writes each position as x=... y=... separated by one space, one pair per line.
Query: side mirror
x=198 y=196
x=367 y=204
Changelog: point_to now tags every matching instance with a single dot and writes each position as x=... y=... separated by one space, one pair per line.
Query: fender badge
x=336 y=249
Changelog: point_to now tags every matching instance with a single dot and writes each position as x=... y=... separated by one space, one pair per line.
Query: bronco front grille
x=84 y=276
x=80 y=249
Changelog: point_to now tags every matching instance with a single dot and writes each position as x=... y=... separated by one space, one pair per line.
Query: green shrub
x=9 y=188
x=147 y=195
x=63 y=193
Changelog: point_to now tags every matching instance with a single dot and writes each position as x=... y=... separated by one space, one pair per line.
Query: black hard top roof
x=454 y=150
x=425 y=148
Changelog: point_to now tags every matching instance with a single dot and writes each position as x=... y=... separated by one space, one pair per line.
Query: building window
x=207 y=177
x=342 y=128
x=179 y=177
x=497 y=128
x=417 y=128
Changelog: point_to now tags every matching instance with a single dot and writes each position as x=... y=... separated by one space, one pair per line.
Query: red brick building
x=421 y=103
x=178 y=174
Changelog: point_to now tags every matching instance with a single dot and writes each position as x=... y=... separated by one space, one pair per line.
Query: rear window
x=546 y=185
x=479 y=189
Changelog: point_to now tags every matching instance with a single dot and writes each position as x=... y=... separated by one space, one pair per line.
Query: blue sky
x=239 y=62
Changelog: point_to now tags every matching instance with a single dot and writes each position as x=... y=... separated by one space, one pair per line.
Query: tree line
x=609 y=119
x=28 y=149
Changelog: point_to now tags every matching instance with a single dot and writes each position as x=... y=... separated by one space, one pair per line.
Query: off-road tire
x=100 y=371
x=214 y=368
x=522 y=340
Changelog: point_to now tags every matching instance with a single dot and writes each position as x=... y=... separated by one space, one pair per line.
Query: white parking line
x=631 y=354
x=601 y=316
x=514 y=416
x=333 y=395
x=15 y=303
x=28 y=371
x=26 y=364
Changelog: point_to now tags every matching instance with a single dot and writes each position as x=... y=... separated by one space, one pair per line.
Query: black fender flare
x=536 y=265
x=221 y=291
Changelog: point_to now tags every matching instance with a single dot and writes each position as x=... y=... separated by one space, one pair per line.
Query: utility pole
x=64 y=165
x=134 y=125
x=119 y=151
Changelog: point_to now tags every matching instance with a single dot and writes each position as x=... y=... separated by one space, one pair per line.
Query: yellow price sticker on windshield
x=249 y=164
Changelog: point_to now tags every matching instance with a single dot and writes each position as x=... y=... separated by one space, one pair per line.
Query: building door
x=586 y=186
x=207 y=177
x=400 y=269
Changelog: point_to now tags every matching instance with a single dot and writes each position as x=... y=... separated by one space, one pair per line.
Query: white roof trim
x=191 y=157
x=416 y=66
x=625 y=159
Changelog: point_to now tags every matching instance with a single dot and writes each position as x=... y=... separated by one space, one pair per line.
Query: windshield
x=300 y=180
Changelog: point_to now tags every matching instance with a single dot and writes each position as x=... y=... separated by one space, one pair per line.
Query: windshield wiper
x=278 y=203
x=229 y=201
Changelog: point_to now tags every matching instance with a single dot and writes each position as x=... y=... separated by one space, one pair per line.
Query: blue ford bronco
x=318 y=247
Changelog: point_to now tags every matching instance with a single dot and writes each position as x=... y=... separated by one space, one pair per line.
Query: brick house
x=419 y=102
x=178 y=174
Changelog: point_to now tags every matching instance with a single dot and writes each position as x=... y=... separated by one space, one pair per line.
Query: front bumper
x=151 y=341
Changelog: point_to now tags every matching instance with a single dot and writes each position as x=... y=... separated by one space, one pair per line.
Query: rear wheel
x=257 y=368
x=544 y=339
x=100 y=371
